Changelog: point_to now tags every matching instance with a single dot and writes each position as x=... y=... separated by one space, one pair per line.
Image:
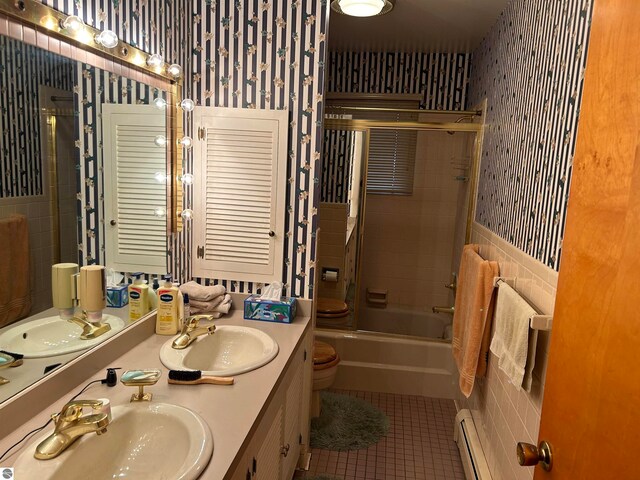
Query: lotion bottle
x=138 y=297
x=167 y=316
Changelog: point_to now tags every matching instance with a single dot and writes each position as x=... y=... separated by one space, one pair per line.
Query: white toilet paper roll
x=330 y=276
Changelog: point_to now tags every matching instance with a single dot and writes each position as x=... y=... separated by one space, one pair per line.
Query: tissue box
x=117 y=296
x=283 y=311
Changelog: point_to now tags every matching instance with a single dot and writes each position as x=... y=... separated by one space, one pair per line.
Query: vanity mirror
x=84 y=164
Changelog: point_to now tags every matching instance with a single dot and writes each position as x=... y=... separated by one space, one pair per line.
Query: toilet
x=325 y=367
x=332 y=312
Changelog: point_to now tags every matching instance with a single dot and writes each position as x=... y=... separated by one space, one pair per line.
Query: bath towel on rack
x=15 y=270
x=472 y=316
x=513 y=342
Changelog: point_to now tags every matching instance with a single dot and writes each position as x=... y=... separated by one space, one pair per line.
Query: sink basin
x=143 y=441
x=52 y=336
x=231 y=350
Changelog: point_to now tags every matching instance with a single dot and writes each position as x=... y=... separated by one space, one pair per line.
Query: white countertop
x=232 y=412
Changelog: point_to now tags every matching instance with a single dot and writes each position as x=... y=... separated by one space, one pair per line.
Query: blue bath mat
x=347 y=423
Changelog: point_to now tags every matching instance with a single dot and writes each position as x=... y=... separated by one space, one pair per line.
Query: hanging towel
x=15 y=270
x=512 y=340
x=472 y=316
x=202 y=292
x=216 y=308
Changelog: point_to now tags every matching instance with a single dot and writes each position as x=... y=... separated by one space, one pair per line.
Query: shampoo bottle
x=138 y=298
x=167 y=317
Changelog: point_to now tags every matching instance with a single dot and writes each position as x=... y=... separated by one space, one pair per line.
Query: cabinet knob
x=284 y=450
x=529 y=455
x=113 y=223
x=272 y=233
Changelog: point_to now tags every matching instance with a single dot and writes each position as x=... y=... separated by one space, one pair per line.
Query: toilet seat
x=332 y=306
x=328 y=308
x=324 y=356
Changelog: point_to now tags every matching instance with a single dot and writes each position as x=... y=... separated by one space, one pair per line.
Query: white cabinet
x=240 y=163
x=282 y=434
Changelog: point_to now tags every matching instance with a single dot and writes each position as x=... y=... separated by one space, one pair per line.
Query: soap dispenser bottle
x=138 y=297
x=167 y=318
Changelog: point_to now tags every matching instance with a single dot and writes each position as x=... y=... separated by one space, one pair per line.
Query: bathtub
x=392 y=364
x=402 y=321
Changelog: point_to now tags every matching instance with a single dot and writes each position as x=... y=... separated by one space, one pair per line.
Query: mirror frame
x=46 y=20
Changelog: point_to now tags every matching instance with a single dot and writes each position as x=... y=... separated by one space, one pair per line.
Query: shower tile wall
x=504 y=416
x=408 y=248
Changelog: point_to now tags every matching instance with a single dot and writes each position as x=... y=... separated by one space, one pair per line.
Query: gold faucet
x=192 y=330
x=70 y=425
x=90 y=330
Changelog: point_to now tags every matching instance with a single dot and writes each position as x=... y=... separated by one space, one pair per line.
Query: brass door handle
x=529 y=455
x=284 y=450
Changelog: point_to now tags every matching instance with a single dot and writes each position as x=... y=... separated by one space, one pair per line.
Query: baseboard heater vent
x=466 y=436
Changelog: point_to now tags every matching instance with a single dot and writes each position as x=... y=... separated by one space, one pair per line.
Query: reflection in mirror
x=339 y=216
x=82 y=181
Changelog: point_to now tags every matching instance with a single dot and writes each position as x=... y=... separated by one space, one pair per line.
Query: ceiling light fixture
x=362 y=8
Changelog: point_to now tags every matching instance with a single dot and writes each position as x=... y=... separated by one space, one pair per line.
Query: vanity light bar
x=71 y=28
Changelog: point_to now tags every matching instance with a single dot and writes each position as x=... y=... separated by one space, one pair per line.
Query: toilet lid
x=323 y=353
x=331 y=305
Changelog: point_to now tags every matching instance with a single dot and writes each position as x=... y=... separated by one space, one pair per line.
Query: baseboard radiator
x=466 y=436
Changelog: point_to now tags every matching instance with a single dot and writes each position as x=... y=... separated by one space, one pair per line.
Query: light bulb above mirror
x=186 y=178
x=187 y=214
x=160 y=103
x=160 y=141
x=155 y=60
x=187 y=105
x=161 y=177
x=159 y=212
x=107 y=39
x=186 y=142
x=174 y=70
x=73 y=23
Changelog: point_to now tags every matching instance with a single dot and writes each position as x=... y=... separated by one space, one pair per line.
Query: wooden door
x=591 y=408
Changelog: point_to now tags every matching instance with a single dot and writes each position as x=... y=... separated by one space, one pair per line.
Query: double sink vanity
x=256 y=428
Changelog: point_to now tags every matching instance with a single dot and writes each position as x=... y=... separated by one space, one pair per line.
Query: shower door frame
x=365 y=126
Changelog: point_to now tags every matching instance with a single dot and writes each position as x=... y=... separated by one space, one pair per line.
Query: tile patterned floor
x=419 y=444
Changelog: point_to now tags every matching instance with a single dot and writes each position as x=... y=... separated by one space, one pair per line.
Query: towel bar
x=536 y=322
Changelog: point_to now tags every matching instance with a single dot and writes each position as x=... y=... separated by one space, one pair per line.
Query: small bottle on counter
x=138 y=297
x=167 y=321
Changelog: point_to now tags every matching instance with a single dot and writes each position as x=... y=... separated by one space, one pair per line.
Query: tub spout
x=443 y=310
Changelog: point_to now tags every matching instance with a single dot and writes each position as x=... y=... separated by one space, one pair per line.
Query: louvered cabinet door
x=240 y=174
x=136 y=236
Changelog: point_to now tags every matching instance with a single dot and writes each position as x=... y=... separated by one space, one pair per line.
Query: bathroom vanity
x=259 y=425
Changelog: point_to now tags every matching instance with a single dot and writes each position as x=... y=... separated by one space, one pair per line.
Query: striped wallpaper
x=270 y=55
x=337 y=163
x=23 y=68
x=531 y=70
x=441 y=78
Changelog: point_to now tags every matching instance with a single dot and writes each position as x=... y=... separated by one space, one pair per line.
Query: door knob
x=113 y=223
x=272 y=233
x=529 y=455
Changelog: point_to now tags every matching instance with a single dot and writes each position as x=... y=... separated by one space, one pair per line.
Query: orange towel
x=472 y=316
x=15 y=271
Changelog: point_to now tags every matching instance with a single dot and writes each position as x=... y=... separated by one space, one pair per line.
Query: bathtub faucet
x=443 y=310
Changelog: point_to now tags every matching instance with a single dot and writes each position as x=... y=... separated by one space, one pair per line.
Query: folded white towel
x=202 y=292
x=512 y=342
x=216 y=307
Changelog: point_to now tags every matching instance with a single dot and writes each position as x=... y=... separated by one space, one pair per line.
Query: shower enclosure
x=415 y=174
